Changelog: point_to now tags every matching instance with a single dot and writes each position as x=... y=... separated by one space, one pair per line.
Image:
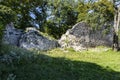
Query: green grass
x=60 y=64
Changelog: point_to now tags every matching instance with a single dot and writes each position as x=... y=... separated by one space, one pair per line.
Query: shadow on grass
x=43 y=67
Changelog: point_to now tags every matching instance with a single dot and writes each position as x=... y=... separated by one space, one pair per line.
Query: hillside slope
x=59 y=64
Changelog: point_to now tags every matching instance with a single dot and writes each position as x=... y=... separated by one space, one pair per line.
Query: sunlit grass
x=102 y=56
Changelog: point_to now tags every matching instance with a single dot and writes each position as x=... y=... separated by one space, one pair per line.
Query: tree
x=62 y=14
x=108 y=12
x=46 y=14
x=97 y=14
x=116 y=24
x=29 y=12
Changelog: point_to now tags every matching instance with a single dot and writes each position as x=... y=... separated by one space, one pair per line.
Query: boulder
x=32 y=39
x=81 y=36
x=12 y=35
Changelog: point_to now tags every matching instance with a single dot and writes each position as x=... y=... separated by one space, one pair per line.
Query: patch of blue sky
x=32 y=15
x=90 y=11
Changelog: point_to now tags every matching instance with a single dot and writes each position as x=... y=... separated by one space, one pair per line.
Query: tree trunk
x=115 y=42
x=116 y=29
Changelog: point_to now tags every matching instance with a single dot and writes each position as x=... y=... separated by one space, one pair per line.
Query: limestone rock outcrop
x=12 y=35
x=32 y=39
x=81 y=36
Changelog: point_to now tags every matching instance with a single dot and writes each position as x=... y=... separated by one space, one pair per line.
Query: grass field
x=59 y=64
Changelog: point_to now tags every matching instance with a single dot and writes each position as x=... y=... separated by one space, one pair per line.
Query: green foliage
x=52 y=30
x=62 y=16
x=7 y=15
x=97 y=14
x=47 y=36
x=1 y=33
x=24 y=9
x=1 y=30
x=54 y=17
